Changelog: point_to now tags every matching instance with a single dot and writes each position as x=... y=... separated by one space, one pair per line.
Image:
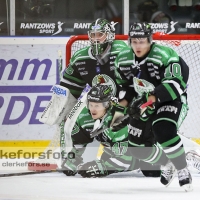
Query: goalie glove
x=135 y=109
x=92 y=169
x=69 y=166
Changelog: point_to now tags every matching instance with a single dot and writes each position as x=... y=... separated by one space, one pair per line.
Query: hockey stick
x=27 y=173
x=98 y=131
x=61 y=125
x=60 y=63
x=72 y=117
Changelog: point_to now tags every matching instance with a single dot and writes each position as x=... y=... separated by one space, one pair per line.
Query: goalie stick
x=120 y=119
x=73 y=115
x=61 y=125
x=69 y=122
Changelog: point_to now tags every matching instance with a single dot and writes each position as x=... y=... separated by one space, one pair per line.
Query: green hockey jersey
x=162 y=70
x=84 y=68
x=115 y=154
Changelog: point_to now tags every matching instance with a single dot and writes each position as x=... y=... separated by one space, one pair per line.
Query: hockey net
x=187 y=46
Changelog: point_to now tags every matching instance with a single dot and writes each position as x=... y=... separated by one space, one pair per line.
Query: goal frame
x=156 y=36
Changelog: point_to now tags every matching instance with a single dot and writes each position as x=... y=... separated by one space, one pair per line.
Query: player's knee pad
x=164 y=131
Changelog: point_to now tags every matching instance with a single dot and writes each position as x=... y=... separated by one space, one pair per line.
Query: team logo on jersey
x=105 y=79
x=142 y=86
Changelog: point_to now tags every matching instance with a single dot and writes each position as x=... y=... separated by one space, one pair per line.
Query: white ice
x=127 y=185
x=120 y=186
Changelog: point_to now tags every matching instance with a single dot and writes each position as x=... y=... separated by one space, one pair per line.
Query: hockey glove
x=114 y=113
x=112 y=132
x=92 y=169
x=135 y=111
x=69 y=165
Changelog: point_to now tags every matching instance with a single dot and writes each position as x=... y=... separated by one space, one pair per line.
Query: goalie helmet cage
x=187 y=46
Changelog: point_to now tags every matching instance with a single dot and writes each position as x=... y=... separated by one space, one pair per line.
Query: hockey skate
x=168 y=173
x=193 y=160
x=185 y=179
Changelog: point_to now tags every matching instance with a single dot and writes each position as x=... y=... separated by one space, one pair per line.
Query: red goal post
x=188 y=47
x=156 y=36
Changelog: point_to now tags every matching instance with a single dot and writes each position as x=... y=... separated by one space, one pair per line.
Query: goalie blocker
x=60 y=105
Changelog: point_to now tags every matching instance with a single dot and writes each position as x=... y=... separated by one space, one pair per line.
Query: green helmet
x=100 y=93
x=140 y=30
x=104 y=29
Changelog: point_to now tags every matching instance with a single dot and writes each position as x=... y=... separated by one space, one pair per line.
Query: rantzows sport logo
x=43 y=27
x=167 y=28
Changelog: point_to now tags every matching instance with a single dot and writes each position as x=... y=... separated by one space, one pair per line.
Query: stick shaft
x=97 y=132
x=27 y=173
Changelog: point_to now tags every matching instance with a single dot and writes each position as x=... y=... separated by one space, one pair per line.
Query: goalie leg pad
x=71 y=120
x=60 y=105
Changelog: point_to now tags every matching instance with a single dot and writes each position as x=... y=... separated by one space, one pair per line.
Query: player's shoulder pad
x=80 y=54
x=118 y=45
x=84 y=113
x=163 y=54
x=125 y=50
x=125 y=54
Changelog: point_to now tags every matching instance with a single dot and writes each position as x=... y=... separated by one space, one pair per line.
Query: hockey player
x=115 y=157
x=153 y=73
x=94 y=64
x=90 y=65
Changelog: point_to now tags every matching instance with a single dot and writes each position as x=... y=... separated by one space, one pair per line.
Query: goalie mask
x=140 y=30
x=101 y=34
x=100 y=94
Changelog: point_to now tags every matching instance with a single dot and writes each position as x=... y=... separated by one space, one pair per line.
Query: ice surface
x=122 y=186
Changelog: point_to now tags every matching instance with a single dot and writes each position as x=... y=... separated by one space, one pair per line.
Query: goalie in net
x=90 y=65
